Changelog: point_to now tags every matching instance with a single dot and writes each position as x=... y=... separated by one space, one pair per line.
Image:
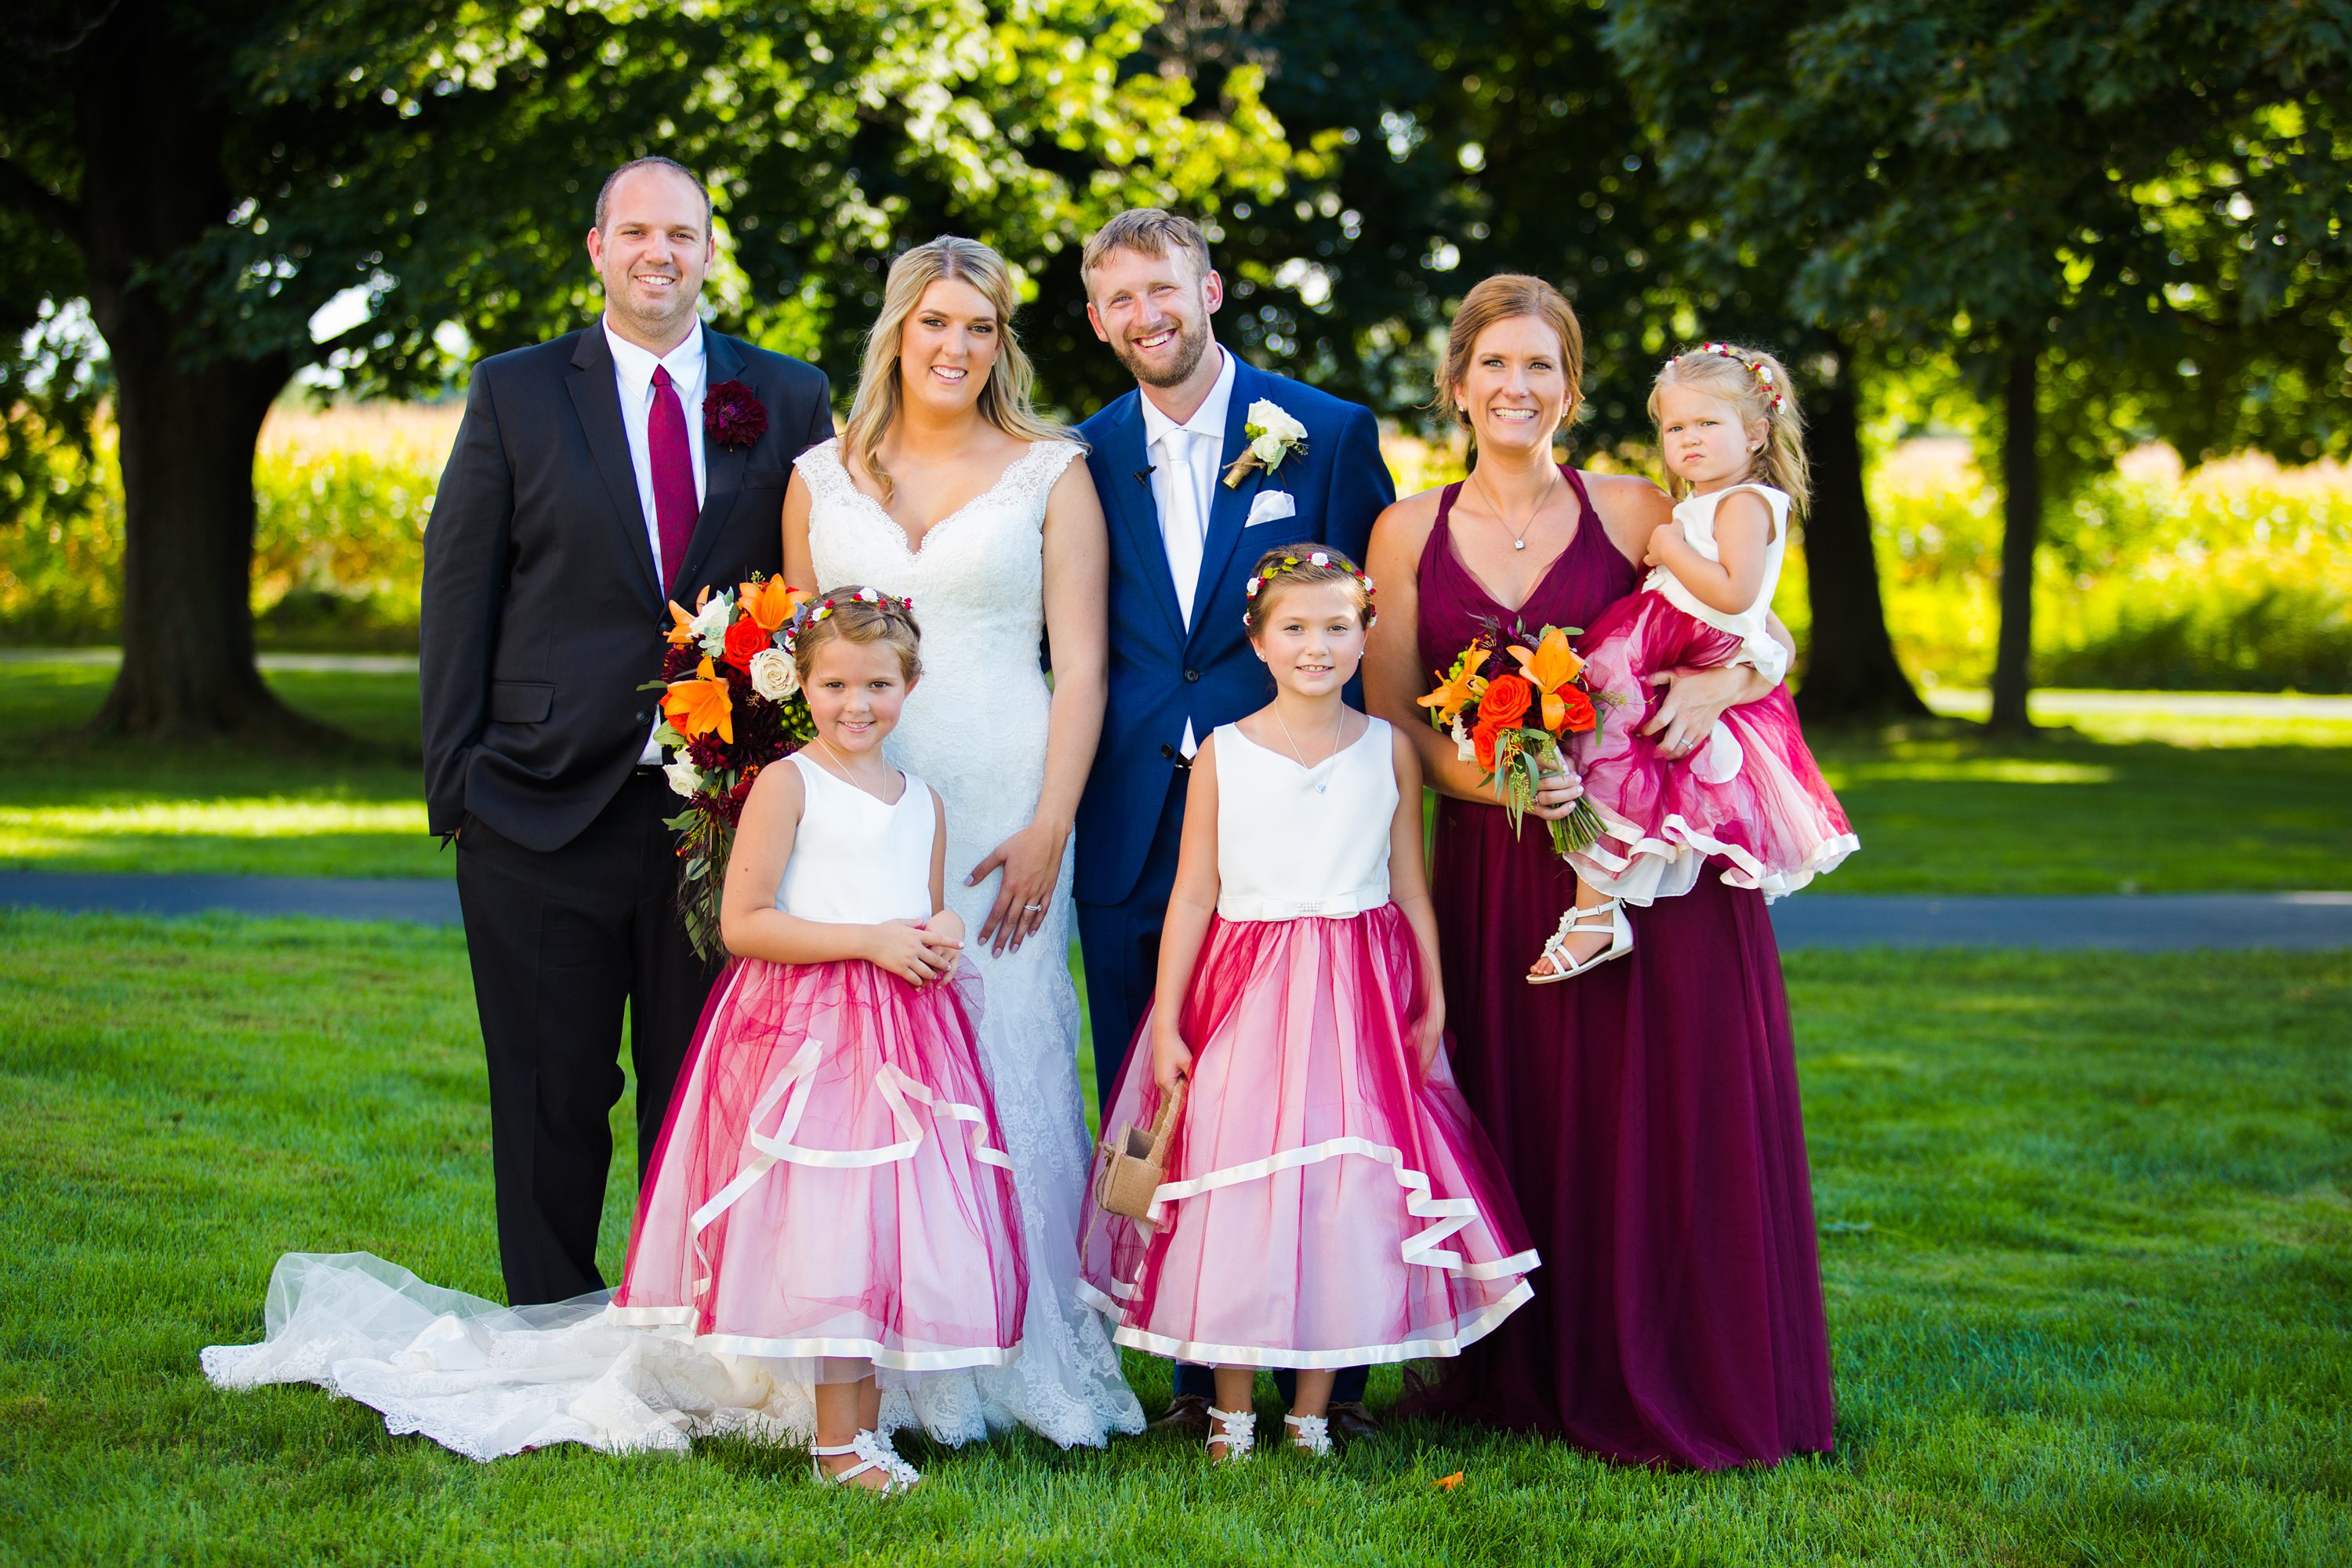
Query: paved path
x=2145 y=924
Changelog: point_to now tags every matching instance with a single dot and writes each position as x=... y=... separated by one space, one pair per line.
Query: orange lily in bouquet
x=1516 y=721
x=732 y=705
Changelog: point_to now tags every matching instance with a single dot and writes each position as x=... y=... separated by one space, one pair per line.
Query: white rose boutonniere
x=774 y=675
x=1273 y=436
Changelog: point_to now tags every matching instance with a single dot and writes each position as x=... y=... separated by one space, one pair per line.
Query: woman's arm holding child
x=1409 y=886
x=1190 y=902
x=944 y=924
x=752 y=925
x=1743 y=530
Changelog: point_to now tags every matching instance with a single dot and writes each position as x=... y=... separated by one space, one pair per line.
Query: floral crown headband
x=816 y=610
x=1289 y=564
x=1756 y=367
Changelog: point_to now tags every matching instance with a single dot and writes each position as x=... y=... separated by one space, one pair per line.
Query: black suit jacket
x=541 y=615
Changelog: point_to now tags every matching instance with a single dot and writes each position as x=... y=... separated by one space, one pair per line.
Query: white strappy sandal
x=1313 y=1435
x=1236 y=1429
x=875 y=1451
x=1578 y=922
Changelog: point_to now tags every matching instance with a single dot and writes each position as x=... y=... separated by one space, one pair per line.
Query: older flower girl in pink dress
x=1328 y=1200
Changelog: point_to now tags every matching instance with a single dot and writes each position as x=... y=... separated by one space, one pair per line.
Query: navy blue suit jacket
x=1161 y=675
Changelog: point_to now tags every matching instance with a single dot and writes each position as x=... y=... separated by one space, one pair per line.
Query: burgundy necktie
x=674 y=502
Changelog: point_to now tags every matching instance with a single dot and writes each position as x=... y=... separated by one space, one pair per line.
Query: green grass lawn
x=2144 y=799
x=2086 y=1237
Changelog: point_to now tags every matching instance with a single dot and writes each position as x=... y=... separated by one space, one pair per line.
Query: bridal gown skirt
x=1325 y=1203
x=1752 y=798
x=831 y=1183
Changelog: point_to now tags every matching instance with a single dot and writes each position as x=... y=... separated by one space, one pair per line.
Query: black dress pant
x=560 y=942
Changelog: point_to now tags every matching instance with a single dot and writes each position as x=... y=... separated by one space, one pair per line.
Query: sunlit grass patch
x=2087 y=1250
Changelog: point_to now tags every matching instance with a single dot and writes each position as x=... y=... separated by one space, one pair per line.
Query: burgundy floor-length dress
x=1646 y=1115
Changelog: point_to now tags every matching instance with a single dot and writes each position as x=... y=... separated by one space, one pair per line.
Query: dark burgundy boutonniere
x=732 y=415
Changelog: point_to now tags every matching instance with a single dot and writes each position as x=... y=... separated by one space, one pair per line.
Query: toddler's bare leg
x=1587 y=935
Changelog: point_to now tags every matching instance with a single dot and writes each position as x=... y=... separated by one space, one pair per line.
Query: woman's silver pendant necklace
x=1336 y=731
x=1520 y=540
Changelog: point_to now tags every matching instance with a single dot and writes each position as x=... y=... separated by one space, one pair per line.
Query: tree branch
x=19 y=189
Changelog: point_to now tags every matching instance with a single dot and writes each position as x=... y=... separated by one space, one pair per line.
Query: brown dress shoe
x=1351 y=1420
x=1188 y=1414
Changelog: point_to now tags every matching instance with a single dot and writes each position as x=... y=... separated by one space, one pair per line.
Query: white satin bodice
x=857 y=860
x=1287 y=848
x=1696 y=514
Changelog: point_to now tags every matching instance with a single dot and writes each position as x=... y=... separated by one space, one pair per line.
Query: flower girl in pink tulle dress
x=1752 y=795
x=1327 y=1199
x=830 y=1190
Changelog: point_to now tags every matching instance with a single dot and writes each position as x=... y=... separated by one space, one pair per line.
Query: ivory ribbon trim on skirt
x=1683 y=839
x=846 y=1347
x=1205 y=1353
x=1452 y=1215
x=792 y=1086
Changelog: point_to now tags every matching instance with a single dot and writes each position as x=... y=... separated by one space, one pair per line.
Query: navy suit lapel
x=1127 y=465
x=1229 y=507
x=722 y=466
x=596 y=397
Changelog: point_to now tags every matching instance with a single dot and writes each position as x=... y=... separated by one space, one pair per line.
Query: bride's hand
x=1557 y=794
x=1032 y=862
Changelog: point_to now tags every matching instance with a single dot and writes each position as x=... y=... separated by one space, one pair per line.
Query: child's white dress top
x=1294 y=840
x=1696 y=514
x=857 y=860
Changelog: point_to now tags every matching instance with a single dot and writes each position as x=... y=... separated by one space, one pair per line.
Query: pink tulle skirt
x=831 y=1182
x=1325 y=1205
x=1753 y=795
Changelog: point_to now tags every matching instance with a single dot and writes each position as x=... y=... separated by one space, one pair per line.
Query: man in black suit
x=583 y=493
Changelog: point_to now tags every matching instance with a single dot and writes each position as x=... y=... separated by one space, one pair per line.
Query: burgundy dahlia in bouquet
x=732 y=705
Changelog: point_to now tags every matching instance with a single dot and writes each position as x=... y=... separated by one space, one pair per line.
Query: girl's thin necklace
x=1336 y=731
x=1518 y=540
x=848 y=777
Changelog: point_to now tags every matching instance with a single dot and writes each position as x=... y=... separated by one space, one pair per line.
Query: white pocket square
x=1271 y=506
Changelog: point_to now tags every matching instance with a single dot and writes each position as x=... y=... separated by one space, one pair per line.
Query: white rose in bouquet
x=684 y=777
x=774 y=675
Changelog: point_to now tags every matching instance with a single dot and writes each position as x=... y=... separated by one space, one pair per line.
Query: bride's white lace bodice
x=975 y=728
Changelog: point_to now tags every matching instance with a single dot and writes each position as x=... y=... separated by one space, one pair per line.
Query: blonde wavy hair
x=1757 y=386
x=1004 y=397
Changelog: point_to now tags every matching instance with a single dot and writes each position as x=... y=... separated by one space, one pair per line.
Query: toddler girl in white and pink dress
x=1750 y=797
x=1328 y=1200
x=831 y=1192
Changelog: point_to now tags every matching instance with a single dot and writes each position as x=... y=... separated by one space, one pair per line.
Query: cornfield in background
x=2237 y=576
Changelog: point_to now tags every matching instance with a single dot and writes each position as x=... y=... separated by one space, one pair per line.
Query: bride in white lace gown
x=989 y=573
x=996 y=535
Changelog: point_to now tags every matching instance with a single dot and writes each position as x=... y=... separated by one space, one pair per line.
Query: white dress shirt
x=633 y=369
x=1207 y=430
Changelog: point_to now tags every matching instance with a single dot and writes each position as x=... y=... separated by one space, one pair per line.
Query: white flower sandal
x=1313 y=1435
x=876 y=1454
x=1236 y=1431
x=1582 y=923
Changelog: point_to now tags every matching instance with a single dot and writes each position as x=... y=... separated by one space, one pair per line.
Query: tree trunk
x=188 y=405
x=1851 y=670
x=2021 y=478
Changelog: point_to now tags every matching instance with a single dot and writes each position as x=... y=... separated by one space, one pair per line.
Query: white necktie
x=1181 y=531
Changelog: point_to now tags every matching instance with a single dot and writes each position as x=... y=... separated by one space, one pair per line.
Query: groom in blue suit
x=1182 y=546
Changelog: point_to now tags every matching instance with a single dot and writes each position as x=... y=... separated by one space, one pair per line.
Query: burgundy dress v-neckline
x=1646 y=1116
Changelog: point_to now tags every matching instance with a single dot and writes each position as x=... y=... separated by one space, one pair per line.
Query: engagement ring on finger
x=1031 y=909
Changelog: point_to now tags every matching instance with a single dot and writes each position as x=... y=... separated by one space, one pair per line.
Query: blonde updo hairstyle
x=1288 y=566
x=1745 y=379
x=1502 y=297
x=1003 y=397
x=842 y=615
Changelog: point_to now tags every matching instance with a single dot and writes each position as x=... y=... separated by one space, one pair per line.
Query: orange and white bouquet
x=1511 y=721
x=732 y=705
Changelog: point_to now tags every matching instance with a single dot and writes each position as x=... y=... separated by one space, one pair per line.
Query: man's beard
x=1191 y=344
x=659 y=313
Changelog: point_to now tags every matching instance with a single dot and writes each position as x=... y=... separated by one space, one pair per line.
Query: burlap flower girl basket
x=1134 y=1159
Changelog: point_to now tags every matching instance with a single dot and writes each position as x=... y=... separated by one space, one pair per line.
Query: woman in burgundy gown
x=1646 y=1112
